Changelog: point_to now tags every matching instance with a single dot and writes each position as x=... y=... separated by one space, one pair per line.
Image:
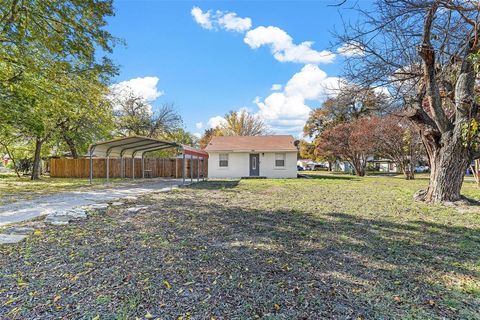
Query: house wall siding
x=239 y=165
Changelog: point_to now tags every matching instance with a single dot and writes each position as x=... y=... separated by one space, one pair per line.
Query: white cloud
x=276 y=87
x=282 y=46
x=216 y=121
x=145 y=88
x=220 y=20
x=202 y=18
x=199 y=125
x=351 y=49
x=286 y=111
x=281 y=43
x=142 y=87
x=198 y=135
x=231 y=22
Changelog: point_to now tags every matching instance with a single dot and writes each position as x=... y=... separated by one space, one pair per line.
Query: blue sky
x=227 y=55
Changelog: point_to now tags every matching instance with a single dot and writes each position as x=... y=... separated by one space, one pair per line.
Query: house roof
x=252 y=144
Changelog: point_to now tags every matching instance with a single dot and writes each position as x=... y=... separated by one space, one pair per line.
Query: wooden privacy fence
x=154 y=168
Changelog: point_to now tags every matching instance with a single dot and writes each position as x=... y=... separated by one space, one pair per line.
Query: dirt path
x=43 y=205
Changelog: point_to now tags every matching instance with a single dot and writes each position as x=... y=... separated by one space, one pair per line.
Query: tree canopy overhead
x=70 y=30
x=53 y=81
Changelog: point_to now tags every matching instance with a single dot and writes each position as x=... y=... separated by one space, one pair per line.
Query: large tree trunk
x=71 y=146
x=448 y=150
x=449 y=160
x=409 y=175
x=359 y=166
x=407 y=170
x=37 y=160
x=360 y=171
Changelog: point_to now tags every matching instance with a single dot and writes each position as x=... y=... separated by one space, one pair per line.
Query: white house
x=253 y=156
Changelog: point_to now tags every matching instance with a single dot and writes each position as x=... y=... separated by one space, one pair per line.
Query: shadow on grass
x=329 y=177
x=384 y=261
x=215 y=184
x=240 y=261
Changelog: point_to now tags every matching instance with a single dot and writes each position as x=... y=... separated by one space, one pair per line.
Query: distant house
x=342 y=166
x=382 y=165
x=253 y=156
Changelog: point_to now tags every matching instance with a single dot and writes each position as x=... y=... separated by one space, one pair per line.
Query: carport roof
x=136 y=146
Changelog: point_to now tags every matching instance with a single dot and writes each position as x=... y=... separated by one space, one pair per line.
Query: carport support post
x=198 y=169
x=191 y=169
x=183 y=169
x=143 y=167
x=133 y=167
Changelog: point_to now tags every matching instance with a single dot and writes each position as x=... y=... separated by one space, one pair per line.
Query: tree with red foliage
x=351 y=141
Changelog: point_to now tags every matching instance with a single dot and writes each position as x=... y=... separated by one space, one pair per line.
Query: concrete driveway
x=43 y=205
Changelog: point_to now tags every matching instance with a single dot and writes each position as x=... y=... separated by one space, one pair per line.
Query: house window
x=223 y=160
x=280 y=159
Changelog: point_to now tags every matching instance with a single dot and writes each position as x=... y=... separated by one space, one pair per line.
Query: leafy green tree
x=68 y=30
x=180 y=136
x=48 y=64
x=86 y=117
x=8 y=140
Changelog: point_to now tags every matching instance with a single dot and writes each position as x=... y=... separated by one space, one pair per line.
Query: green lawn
x=327 y=247
x=13 y=188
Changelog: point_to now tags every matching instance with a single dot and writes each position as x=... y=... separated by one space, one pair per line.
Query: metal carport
x=136 y=147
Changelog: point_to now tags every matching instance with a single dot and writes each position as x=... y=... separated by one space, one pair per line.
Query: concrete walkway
x=43 y=205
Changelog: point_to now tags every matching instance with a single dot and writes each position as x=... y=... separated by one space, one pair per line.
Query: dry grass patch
x=319 y=248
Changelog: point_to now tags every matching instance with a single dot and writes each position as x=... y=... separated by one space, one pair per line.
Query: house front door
x=254 y=165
